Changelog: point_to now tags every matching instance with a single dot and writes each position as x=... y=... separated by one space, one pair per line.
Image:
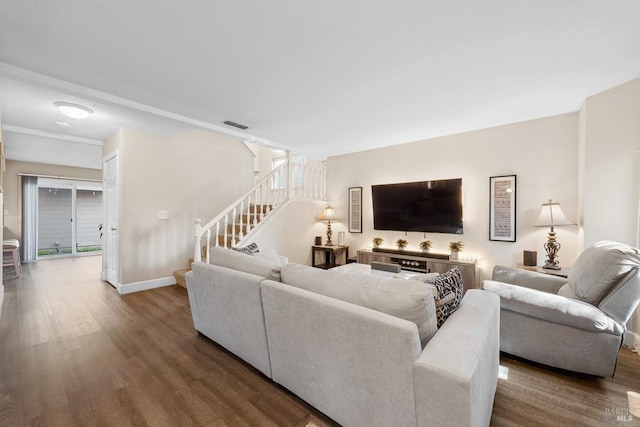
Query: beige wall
x=192 y=176
x=611 y=144
x=13 y=192
x=542 y=153
x=292 y=231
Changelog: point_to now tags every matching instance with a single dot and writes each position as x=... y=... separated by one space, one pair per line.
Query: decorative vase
x=454 y=255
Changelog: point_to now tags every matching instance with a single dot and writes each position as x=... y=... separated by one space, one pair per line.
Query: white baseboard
x=632 y=340
x=145 y=285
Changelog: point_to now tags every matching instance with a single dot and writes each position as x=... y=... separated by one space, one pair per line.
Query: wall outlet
x=163 y=215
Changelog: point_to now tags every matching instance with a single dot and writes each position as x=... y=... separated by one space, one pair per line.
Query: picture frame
x=502 y=208
x=355 y=210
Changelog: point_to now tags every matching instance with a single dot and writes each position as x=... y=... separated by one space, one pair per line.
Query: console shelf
x=411 y=253
x=423 y=263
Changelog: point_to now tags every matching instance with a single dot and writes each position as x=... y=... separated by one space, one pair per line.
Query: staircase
x=237 y=224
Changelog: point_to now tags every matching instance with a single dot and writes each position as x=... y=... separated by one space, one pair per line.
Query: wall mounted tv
x=425 y=206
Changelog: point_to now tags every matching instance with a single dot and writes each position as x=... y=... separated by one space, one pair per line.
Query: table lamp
x=551 y=216
x=329 y=215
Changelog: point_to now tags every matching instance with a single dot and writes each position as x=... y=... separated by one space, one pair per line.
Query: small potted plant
x=377 y=241
x=401 y=244
x=425 y=245
x=455 y=248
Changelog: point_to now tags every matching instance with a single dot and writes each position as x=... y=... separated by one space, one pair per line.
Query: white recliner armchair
x=576 y=323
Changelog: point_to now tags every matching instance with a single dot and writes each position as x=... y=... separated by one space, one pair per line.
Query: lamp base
x=329 y=234
x=552 y=247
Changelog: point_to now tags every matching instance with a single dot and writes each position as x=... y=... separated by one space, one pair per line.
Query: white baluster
x=240 y=219
x=226 y=229
x=217 y=241
x=248 y=213
x=323 y=181
x=316 y=184
x=262 y=201
x=208 y=256
x=197 y=255
x=233 y=227
x=254 y=214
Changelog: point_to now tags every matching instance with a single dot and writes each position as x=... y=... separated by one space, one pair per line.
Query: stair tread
x=179 y=275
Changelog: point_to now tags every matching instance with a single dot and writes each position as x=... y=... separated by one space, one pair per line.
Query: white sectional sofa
x=358 y=365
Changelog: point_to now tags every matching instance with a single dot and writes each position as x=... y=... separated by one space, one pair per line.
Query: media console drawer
x=424 y=265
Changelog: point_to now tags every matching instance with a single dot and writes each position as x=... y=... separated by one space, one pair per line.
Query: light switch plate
x=163 y=215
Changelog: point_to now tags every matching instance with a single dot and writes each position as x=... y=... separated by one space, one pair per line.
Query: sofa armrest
x=350 y=362
x=552 y=308
x=528 y=279
x=456 y=375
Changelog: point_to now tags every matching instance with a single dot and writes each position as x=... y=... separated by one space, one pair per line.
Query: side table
x=560 y=273
x=326 y=257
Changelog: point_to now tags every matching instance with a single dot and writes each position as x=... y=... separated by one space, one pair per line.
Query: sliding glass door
x=69 y=215
x=55 y=220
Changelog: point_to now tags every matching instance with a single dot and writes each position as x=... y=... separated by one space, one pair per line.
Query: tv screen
x=425 y=206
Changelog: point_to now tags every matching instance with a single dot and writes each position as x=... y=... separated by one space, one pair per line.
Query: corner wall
x=542 y=153
x=193 y=176
x=611 y=173
x=611 y=143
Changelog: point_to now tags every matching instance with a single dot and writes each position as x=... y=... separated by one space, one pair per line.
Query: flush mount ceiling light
x=75 y=111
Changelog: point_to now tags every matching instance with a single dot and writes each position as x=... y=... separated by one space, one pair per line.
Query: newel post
x=197 y=253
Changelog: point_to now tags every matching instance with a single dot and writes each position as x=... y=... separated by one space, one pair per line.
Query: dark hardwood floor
x=74 y=352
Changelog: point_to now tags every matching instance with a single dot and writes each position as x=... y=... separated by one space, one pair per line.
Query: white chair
x=10 y=249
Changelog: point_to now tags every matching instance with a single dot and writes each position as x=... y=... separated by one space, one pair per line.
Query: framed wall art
x=355 y=210
x=502 y=208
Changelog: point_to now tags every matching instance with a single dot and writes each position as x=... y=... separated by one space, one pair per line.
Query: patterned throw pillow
x=249 y=249
x=447 y=293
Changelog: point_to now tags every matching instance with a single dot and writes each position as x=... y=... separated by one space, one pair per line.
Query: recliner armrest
x=528 y=279
x=552 y=308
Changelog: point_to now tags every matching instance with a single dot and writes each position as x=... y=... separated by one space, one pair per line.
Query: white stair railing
x=234 y=224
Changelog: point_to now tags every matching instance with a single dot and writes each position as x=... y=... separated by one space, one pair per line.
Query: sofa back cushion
x=406 y=299
x=601 y=268
x=246 y=263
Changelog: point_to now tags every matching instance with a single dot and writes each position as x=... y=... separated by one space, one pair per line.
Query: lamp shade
x=551 y=216
x=329 y=214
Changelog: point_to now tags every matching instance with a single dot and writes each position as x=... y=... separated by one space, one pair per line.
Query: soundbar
x=384 y=266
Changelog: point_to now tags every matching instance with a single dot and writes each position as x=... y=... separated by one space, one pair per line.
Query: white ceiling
x=322 y=77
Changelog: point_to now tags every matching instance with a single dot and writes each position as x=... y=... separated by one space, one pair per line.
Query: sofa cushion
x=406 y=299
x=602 y=267
x=247 y=263
x=270 y=254
x=447 y=293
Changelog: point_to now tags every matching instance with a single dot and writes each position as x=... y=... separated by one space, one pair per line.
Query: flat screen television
x=425 y=206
